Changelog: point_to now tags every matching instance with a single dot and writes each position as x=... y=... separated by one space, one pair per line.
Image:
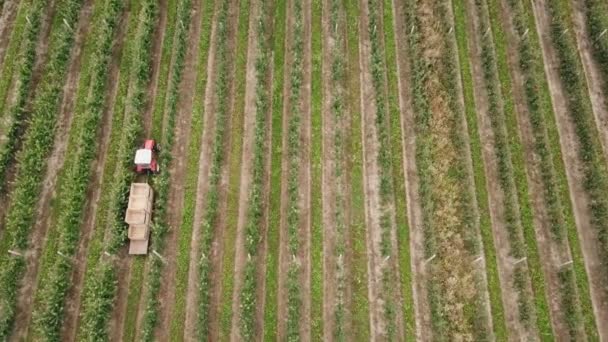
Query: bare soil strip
x=54 y=165
x=593 y=263
x=178 y=175
x=497 y=199
x=125 y=262
x=73 y=297
x=202 y=188
x=595 y=81
x=246 y=169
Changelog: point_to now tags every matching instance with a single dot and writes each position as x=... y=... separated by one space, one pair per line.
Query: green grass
x=272 y=257
x=360 y=300
x=485 y=224
x=234 y=176
x=403 y=230
x=316 y=207
x=191 y=184
x=134 y=298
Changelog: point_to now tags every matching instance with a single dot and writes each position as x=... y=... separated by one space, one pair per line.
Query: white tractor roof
x=143 y=157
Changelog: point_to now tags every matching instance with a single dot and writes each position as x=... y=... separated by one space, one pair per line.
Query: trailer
x=139 y=217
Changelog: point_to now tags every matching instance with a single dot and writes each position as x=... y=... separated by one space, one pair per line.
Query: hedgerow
x=222 y=82
x=384 y=160
x=596 y=13
x=255 y=213
x=337 y=108
x=99 y=295
x=37 y=143
x=559 y=214
x=16 y=111
x=593 y=164
x=162 y=181
x=49 y=314
x=294 y=155
x=504 y=164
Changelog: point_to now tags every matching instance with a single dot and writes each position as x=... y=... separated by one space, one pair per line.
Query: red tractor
x=146 y=158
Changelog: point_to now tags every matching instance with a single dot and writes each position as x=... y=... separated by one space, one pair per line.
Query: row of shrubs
x=101 y=285
x=294 y=157
x=15 y=115
x=595 y=181
x=384 y=160
x=529 y=63
x=221 y=107
x=38 y=141
x=504 y=164
x=596 y=13
x=338 y=79
x=255 y=213
x=162 y=181
x=49 y=313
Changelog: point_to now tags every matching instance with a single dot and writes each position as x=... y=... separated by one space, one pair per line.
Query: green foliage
x=16 y=112
x=255 y=212
x=217 y=160
x=37 y=143
x=49 y=314
x=99 y=295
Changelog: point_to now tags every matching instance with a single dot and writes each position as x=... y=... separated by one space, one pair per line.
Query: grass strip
x=316 y=205
x=272 y=258
x=360 y=299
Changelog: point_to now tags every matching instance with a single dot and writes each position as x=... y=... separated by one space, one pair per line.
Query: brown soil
x=178 y=176
x=124 y=261
x=552 y=253
x=70 y=322
x=517 y=329
x=47 y=193
x=246 y=170
x=202 y=189
x=593 y=75
x=414 y=214
x=578 y=196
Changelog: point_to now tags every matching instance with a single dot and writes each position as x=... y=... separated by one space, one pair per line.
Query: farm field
x=327 y=170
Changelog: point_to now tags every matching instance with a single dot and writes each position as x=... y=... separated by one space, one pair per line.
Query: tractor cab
x=146 y=158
